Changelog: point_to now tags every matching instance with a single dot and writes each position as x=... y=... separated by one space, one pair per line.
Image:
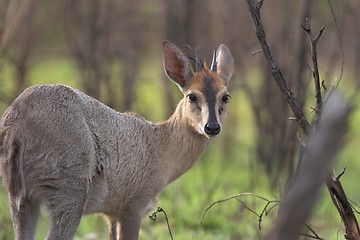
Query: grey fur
x=66 y=150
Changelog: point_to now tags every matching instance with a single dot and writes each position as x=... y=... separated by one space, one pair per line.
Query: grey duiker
x=65 y=150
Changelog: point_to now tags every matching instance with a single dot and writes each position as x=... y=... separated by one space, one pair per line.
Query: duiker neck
x=183 y=146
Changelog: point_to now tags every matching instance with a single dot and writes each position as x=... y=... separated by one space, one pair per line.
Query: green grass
x=229 y=167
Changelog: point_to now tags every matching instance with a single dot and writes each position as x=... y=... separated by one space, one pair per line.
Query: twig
x=256 y=52
x=315 y=69
x=275 y=70
x=153 y=217
x=356 y=205
x=264 y=210
x=241 y=195
x=341 y=173
x=259 y=4
x=323 y=85
x=310 y=236
x=252 y=211
x=314 y=234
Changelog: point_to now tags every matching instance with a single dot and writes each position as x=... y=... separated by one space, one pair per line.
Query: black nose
x=212 y=128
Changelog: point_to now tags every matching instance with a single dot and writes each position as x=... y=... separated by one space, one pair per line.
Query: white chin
x=201 y=131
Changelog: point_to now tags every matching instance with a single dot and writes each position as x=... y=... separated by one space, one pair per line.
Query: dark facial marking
x=210 y=96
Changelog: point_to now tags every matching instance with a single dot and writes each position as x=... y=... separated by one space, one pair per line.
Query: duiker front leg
x=114 y=228
x=130 y=224
x=24 y=217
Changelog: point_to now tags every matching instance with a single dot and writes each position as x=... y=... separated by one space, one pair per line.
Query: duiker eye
x=192 y=98
x=226 y=98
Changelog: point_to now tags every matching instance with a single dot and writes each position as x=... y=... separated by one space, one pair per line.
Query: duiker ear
x=176 y=65
x=225 y=63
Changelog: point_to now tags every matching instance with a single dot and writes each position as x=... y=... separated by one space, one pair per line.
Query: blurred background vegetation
x=112 y=50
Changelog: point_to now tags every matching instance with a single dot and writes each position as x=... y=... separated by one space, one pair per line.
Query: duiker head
x=205 y=90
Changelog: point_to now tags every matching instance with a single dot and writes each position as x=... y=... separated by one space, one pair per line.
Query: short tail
x=12 y=170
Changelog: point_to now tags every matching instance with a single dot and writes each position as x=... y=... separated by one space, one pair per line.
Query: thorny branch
x=153 y=217
x=333 y=184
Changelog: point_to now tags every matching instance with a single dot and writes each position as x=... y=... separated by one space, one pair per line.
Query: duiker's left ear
x=176 y=65
x=225 y=63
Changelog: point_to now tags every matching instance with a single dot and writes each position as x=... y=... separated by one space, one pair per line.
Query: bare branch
x=354 y=206
x=323 y=85
x=315 y=69
x=256 y=52
x=265 y=210
x=318 y=35
x=259 y=4
x=344 y=208
x=310 y=236
x=153 y=217
x=241 y=195
x=334 y=186
x=275 y=70
x=320 y=153
x=314 y=236
x=341 y=173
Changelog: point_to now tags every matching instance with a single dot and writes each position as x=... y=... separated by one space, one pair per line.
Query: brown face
x=205 y=93
x=206 y=101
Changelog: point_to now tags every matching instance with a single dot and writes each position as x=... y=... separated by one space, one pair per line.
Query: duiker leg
x=130 y=224
x=114 y=228
x=24 y=217
x=66 y=208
